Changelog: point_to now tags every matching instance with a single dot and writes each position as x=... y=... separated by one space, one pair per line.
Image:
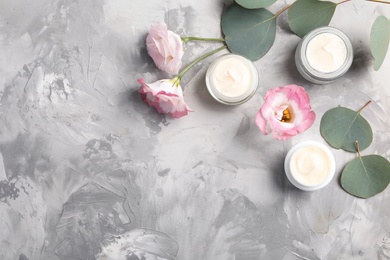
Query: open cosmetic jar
x=232 y=79
x=324 y=55
x=310 y=165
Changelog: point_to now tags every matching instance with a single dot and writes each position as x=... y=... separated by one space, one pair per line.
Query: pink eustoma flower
x=165 y=47
x=166 y=96
x=286 y=112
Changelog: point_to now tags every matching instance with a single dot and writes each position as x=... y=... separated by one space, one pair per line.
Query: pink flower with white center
x=165 y=47
x=165 y=95
x=286 y=112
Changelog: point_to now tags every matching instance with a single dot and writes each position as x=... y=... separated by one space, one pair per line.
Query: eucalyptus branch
x=357 y=148
x=342 y=2
x=360 y=110
x=189 y=66
x=374 y=1
x=191 y=38
x=281 y=11
x=379 y=1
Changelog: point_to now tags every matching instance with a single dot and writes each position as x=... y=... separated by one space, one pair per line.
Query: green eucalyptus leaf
x=342 y=127
x=254 y=4
x=249 y=32
x=379 y=40
x=366 y=176
x=306 y=15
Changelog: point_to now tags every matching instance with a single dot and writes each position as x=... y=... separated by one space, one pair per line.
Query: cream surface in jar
x=310 y=165
x=232 y=79
x=326 y=52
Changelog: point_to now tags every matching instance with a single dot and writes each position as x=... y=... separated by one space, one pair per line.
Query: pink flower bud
x=165 y=47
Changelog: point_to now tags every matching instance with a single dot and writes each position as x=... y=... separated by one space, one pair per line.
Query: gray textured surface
x=89 y=171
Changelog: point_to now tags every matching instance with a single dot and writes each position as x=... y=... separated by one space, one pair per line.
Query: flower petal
x=293 y=98
x=165 y=48
x=165 y=96
x=261 y=122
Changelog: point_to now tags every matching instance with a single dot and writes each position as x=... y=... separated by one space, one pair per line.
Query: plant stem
x=281 y=11
x=189 y=66
x=374 y=1
x=190 y=38
x=360 y=110
x=342 y=2
x=379 y=1
x=357 y=148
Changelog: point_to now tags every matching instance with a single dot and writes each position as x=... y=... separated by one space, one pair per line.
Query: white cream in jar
x=232 y=79
x=324 y=55
x=326 y=52
x=310 y=165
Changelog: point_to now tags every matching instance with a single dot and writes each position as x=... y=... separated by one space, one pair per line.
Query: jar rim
x=290 y=175
x=325 y=76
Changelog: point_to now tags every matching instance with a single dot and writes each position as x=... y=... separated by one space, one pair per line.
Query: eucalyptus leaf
x=306 y=15
x=379 y=40
x=254 y=4
x=341 y=127
x=249 y=32
x=366 y=176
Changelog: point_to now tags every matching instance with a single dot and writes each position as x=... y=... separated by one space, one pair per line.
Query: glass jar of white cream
x=324 y=55
x=232 y=79
x=310 y=165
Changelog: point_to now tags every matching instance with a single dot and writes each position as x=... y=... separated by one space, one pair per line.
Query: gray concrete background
x=88 y=171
